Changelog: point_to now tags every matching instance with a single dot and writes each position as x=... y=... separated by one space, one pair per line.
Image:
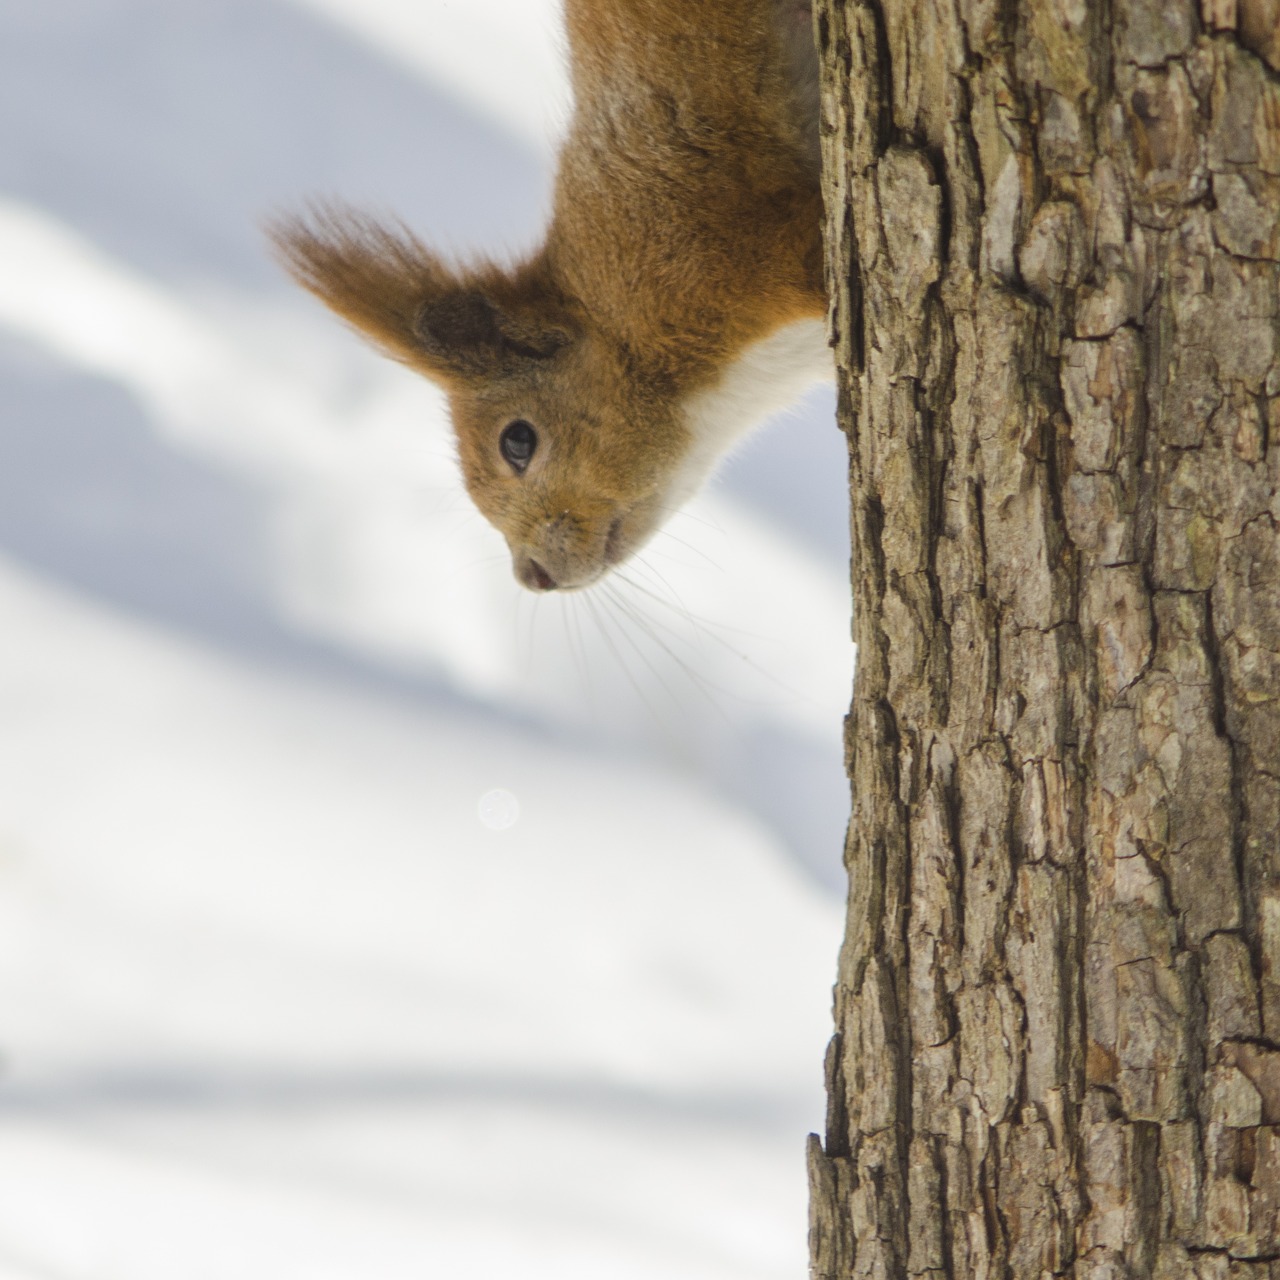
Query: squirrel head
x=567 y=449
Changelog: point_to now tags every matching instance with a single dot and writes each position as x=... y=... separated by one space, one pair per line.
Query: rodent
x=677 y=300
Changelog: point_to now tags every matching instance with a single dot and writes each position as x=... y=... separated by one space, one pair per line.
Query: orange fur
x=686 y=228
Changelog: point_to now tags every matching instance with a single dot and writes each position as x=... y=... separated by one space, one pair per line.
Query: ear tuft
x=373 y=276
x=398 y=293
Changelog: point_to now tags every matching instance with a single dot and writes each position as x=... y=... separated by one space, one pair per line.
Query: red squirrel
x=677 y=299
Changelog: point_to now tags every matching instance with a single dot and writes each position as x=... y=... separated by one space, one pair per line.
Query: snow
x=503 y=57
x=266 y=977
x=360 y=915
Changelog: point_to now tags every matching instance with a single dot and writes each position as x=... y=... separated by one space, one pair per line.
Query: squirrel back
x=678 y=297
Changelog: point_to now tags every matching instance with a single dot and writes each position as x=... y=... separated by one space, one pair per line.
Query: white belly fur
x=768 y=376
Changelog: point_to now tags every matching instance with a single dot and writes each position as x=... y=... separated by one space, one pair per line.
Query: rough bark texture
x=1054 y=250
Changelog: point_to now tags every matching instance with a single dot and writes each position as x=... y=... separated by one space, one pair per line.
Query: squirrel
x=677 y=299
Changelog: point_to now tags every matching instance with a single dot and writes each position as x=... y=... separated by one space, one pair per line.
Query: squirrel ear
x=467 y=331
x=399 y=294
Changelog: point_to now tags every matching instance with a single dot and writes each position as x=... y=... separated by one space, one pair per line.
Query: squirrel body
x=677 y=300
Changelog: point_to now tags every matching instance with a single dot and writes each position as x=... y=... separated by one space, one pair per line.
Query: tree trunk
x=1054 y=251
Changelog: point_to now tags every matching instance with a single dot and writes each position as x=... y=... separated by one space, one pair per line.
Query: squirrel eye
x=517 y=442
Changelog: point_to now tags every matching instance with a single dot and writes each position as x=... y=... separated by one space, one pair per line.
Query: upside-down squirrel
x=677 y=299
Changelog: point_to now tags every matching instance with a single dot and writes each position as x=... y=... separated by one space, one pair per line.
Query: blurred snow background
x=275 y=999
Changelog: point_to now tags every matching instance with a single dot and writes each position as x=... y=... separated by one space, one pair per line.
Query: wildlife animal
x=677 y=299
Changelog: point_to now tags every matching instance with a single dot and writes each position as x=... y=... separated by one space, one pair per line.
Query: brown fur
x=686 y=227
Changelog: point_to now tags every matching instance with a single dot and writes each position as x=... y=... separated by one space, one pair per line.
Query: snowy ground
x=361 y=916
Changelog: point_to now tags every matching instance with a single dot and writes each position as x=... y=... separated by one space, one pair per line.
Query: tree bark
x=1054 y=255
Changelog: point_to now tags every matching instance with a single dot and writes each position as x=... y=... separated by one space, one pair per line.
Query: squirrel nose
x=533 y=575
